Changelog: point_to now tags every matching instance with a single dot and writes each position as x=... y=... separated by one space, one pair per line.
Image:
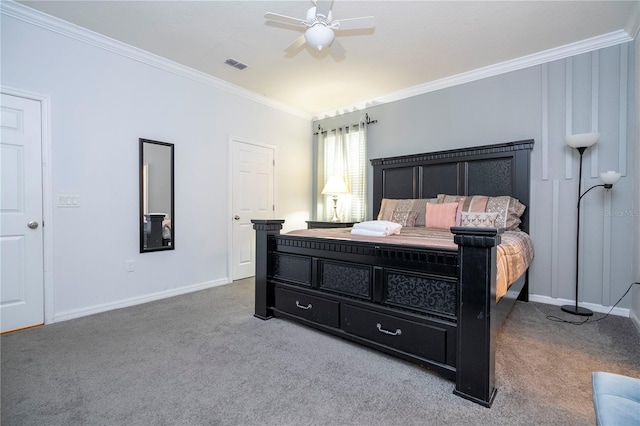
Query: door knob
x=236 y=217
x=33 y=224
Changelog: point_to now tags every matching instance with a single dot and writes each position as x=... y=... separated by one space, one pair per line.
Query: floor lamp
x=581 y=142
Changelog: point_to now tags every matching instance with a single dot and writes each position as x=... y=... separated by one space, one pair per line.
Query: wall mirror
x=157 y=224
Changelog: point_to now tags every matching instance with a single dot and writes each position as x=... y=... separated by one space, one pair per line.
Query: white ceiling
x=413 y=43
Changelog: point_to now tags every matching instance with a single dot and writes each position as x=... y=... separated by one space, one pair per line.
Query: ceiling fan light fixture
x=319 y=25
x=319 y=36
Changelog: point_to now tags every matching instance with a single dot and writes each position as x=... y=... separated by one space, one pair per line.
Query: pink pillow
x=441 y=215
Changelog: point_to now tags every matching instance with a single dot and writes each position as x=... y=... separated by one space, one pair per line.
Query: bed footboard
x=475 y=372
x=265 y=297
x=293 y=281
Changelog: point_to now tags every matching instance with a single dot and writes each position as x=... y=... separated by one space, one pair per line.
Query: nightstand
x=314 y=224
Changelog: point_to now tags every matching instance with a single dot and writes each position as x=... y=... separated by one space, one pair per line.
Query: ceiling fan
x=321 y=26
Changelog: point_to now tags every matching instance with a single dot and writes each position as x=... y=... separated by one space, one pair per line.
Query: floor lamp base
x=577 y=310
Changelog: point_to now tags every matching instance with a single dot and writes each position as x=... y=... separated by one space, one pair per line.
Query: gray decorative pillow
x=389 y=206
x=509 y=211
x=404 y=218
x=478 y=220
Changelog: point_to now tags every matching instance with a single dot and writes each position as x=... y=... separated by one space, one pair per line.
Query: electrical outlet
x=130 y=266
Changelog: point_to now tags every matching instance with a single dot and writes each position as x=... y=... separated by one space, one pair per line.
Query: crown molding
x=561 y=52
x=50 y=23
x=633 y=23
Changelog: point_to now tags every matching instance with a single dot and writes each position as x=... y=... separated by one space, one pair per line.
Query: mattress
x=513 y=255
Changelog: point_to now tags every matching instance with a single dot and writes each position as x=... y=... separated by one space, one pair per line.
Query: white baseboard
x=96 y=309
x=622 y=312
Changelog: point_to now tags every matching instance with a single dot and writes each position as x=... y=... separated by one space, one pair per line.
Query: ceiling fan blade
x=337 y=50
x=323 y=7
x=295 y=46
x=354 y=23
x=283 y=18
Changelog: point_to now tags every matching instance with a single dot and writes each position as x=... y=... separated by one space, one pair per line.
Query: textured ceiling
x=413 y=43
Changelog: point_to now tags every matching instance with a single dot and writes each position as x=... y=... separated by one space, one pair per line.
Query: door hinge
x=273 y=207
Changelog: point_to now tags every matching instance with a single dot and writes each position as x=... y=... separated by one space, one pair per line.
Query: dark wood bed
x=342 y=287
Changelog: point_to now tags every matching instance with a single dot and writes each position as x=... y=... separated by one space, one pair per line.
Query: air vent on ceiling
x=235 y=64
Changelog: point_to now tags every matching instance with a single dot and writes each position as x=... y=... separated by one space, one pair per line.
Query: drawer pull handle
x=303 y=307
x=390 y=333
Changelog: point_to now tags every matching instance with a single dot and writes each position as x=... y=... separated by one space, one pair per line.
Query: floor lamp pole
x=575 y=309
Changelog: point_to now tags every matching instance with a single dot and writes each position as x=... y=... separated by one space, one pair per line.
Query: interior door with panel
x=21 y=212
x=252 y=198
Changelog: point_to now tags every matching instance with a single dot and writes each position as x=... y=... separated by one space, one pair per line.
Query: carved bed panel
x=492 y=170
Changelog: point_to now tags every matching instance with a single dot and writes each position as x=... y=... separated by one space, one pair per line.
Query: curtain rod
x=367 y=121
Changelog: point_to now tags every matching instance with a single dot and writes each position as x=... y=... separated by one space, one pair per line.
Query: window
x=342 y=152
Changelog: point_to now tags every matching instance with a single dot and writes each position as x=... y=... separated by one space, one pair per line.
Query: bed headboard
x=492 y=170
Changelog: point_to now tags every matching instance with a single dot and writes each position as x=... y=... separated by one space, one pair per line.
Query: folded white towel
x=380 y=228
x=368 y=233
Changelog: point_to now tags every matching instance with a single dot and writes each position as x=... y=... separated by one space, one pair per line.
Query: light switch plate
x=65 y=200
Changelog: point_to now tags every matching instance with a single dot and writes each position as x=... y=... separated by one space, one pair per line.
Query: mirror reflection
x=156 y=196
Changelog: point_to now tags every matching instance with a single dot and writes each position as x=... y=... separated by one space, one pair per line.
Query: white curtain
x=344 y=154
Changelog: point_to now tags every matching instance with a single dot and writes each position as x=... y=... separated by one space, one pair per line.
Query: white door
x=252 y=198
x=21 y=239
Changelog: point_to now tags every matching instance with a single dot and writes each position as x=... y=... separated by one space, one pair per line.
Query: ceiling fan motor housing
x=312 y=18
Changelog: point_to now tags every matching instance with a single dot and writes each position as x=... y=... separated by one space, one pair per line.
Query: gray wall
x=543 y=103
x=101 y=102
x=635 y=303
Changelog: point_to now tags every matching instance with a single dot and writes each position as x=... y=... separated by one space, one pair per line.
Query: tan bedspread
x=514 y=254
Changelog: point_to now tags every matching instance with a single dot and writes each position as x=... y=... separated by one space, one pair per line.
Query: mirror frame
x=143 y=179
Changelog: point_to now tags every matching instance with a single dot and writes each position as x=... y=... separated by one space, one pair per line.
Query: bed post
x=264 y=289
x=475 y=358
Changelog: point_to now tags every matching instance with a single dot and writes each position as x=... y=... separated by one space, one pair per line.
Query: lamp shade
x=319 y=36
x=610 y=177
x=582 y=140
x=335 y=185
